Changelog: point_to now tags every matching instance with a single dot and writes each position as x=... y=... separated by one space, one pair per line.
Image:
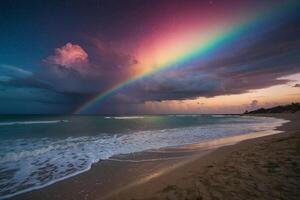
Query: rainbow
x=199 y=49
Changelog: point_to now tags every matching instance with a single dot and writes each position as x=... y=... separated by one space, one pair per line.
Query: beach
x=149 y=100
x=261 y=168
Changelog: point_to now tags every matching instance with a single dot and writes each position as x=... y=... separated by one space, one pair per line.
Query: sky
x=148 y=56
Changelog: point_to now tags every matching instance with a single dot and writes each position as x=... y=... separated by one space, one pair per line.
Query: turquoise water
x=36 y=151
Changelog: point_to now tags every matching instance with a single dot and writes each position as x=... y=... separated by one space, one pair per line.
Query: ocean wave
x=185 y=115
x=34 y=163
x=32 y=122
x=126 y=117
x=218 y=115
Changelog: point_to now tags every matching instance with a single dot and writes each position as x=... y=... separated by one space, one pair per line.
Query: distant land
x=290 y=108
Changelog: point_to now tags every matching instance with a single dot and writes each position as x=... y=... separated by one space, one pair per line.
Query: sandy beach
x=149 y=99
x=261 y=168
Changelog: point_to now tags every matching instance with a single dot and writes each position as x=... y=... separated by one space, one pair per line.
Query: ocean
x=36 y=151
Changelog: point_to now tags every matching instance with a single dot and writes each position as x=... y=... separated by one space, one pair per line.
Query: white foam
x=34 y=163
x=218 y=115
x=32 y=122
x=191 y=115
x=126 y=117
x=147 y=160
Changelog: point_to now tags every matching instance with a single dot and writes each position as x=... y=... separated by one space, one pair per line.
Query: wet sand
x=260 y=168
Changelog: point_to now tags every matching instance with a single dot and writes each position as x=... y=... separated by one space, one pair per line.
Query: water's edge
x=211 y=144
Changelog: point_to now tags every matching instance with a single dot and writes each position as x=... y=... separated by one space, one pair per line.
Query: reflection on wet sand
x=190 y=152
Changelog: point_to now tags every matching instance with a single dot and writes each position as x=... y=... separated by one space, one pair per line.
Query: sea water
x=36 y=151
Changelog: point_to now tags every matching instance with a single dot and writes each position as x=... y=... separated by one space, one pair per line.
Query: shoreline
x=89 y=184
x=261 y=168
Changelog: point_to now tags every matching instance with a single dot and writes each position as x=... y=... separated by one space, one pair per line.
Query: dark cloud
x=262 y=64
x=30 y=82
x=107 y=57
x=86 y=73
x=27 y=92
x=12 y=76
x=75 y=72
x=296 y=85
x=78 y=74
x=13 y=71
x=73 y=69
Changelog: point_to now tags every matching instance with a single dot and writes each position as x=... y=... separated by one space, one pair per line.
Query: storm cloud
x=95 y=49
x=72 y=71
x=261 y=65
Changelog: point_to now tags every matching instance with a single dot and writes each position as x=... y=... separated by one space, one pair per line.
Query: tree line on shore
x=290 y=108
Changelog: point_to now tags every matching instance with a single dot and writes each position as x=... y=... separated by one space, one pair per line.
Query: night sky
x=147 y=56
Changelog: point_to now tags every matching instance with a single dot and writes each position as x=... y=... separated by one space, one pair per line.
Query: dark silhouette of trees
x=290 y=108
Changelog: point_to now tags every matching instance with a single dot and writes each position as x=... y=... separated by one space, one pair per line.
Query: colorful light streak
x=194 y=47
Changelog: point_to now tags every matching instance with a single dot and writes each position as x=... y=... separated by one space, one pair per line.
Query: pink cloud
x=69 y=56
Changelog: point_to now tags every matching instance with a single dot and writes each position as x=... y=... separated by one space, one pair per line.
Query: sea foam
x=32 y=163
x=31 y=122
